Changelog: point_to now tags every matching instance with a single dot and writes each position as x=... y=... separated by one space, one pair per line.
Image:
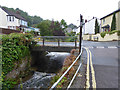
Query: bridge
x=55 y=43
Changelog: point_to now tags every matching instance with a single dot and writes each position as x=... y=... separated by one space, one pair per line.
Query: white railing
x=55 y=84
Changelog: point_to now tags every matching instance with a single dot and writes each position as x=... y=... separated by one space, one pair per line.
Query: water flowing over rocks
x=38 y=80
x=47 y=65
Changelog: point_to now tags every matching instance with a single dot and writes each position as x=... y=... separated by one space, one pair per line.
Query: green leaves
x=96 y=27
x=14 y=48
x=113 y=24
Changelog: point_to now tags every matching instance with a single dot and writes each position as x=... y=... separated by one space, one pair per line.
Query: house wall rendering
x=3 y=19
x=11 y=20
x=119 y=4
x=107 y=20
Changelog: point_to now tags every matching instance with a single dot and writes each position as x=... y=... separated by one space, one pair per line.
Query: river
x=52 y=63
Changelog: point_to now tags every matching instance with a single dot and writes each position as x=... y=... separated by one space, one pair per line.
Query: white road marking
x=112 y=47
x=100 y=47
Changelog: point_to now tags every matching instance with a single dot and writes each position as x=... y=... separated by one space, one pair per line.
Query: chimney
x=119 y=5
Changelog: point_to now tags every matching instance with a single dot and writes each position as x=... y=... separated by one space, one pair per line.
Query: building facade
x=107 y=20
x=11 y=20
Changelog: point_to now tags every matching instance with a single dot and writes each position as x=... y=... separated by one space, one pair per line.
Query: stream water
x=46 y=66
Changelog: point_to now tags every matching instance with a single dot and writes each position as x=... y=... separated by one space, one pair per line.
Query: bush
x=112 y=32
x=14 y=48
x=118 y=33
x=103 y=34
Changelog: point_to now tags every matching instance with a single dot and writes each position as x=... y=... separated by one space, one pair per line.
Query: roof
x=13 y=14
x=110 y=14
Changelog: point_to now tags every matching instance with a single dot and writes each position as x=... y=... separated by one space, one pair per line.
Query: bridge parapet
x=58 y=39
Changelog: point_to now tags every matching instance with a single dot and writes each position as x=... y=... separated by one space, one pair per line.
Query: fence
x=8 y=31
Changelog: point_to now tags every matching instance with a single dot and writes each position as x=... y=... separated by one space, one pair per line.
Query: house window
x=10 y=18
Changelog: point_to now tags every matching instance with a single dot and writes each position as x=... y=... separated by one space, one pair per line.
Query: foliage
x=115 y=31
x=103 y=34
x=118 y=33
x=45 y=28
x=58 y=28
x=72 y=26
x=67 y=62
x=51 y=28
x=72 y=35
x=14 y=48
x=112 y=32
x=30 y=19
x=96 y=27
x=63 y=24
x=113 y=24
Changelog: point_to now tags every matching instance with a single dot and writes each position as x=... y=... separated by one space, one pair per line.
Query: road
x=84 y=43
x=105 y=63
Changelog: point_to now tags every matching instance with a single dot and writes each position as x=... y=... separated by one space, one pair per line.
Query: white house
x=68 y=30
x=11 y=20
x=89 y=26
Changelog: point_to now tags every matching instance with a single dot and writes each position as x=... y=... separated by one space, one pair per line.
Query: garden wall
x=98 y=37
x=8 y=31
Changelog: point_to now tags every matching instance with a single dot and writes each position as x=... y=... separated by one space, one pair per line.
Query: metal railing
x=58 y=38
x=55 y=84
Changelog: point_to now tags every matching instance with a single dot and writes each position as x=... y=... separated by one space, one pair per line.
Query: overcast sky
x=69 y=10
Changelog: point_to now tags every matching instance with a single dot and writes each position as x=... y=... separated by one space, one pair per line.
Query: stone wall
x=20 y=66
x=98 y=37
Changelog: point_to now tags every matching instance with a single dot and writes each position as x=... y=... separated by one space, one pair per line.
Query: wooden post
x=80 y=36
x=43 y=41
x=75 y=43
x=58 y=42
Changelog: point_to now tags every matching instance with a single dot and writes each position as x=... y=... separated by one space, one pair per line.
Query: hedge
x=110 y=33
x=14 y=48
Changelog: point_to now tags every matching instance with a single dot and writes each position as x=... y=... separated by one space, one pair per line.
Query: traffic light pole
x=80 y=36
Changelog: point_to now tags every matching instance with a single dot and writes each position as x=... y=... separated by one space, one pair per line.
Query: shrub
x=14 y=48
x=103 y=34
x=118 y=33
x=112 y=32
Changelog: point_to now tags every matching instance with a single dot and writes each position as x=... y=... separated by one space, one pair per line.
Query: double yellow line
x=89 y=64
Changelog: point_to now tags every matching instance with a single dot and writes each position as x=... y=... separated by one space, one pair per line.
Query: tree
x=113 y=24
x=51 y=28
x=96 y=27
x=56 y=28
x=63 y=24
x=45 y=28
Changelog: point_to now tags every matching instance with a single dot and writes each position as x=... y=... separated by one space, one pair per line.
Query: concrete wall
x=106 y=38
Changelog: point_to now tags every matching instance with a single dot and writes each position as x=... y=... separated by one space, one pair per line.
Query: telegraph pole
x=80 y=36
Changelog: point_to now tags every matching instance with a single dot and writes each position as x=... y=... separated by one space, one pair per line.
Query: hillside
x=32 y=20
